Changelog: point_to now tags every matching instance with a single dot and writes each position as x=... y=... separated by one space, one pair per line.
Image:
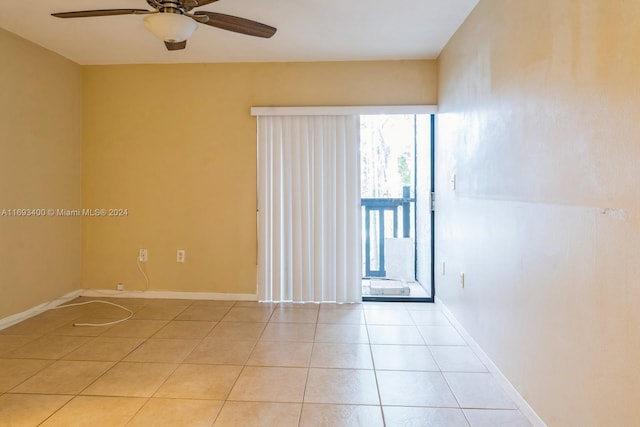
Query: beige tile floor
x=224 y=363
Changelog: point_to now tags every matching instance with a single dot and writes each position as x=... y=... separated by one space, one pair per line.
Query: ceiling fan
x=173 y=21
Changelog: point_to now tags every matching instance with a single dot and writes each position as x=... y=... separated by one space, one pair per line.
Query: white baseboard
x=168 y=295
x=511 y=391
x=34 y=311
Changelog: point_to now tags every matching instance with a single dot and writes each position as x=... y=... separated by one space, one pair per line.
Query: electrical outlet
x=452 y=182
x=143 y=256
x=120 y=286
x=180 y=255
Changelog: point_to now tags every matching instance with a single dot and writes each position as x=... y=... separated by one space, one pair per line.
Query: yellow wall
x=176 y=146
x=541 y=105
x=40 y=131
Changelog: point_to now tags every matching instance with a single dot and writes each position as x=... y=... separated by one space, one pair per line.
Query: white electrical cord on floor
x=146 y=279
x=101 y=302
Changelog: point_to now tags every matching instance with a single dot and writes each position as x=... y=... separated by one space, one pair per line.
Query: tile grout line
x=375 y=371
x=244 y=366
x=148 y=398
x=306 y=380
x=257 y=340
x=226 y=397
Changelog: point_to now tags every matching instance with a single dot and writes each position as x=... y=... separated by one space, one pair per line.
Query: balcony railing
x=377 y=213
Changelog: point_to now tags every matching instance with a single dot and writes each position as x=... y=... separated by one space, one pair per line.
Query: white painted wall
x=40 y=167
x=540 y=103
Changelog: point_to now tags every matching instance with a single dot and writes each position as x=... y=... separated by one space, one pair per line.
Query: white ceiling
x=308 y=30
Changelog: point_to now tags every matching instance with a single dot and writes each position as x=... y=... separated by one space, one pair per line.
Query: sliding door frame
x=431 y=299
x=430 y=110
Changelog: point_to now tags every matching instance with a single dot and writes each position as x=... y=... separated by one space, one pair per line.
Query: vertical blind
x=309 y=244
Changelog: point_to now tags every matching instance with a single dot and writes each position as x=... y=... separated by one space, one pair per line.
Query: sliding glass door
x=395 y=171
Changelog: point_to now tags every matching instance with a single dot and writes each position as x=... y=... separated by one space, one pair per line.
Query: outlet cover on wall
x=143 y=255
x=180 y=255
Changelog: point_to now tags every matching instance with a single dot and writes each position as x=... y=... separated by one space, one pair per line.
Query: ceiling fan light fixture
x=170 y=27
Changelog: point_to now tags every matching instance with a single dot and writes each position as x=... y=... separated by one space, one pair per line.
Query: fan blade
x=176 y=45
x=103 y=12
x=237 y=25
